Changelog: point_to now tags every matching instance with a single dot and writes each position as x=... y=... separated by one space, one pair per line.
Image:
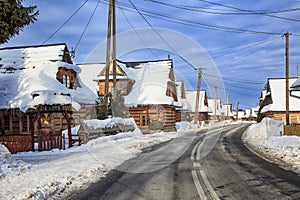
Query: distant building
x=184 y=108
x=227 y=110
x=216 y=111
x=203 y=104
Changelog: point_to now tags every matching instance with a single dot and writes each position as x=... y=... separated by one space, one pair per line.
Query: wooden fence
x=291 y=130
x=51 y=140
x=17 y=143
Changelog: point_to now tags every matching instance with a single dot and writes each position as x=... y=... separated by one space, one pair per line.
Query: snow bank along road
x=229 y=171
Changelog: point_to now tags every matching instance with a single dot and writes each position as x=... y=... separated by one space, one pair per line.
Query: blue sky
x=245 y=60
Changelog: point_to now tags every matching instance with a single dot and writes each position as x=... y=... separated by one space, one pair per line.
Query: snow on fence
x=17 y=143
x=92 y=129
x=291 y=130
x=51 y=140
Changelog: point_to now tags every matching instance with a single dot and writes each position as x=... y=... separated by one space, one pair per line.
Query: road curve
x=229 y=171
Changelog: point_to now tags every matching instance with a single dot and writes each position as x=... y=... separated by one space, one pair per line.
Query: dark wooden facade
x=144 y=115
x=281 y=116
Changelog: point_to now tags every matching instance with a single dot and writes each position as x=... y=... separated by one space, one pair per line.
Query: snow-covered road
x=56 y=173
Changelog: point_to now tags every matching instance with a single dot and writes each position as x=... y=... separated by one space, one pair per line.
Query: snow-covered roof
x=151 y=81
x=182 y=101
x=215 y=107
x=296 y=84
x=191 y=98
x=263 y=94
x=277 y=93
x=227 y=110
x=89 y=73
x=241 y=114
x=32 y=70
x=254 y=111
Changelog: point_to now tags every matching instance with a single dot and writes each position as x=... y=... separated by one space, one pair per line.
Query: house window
x=66 y=80
x=298 y=119
x=25 y=123
x=144 y=121
x=122 y=85
x=6 y=123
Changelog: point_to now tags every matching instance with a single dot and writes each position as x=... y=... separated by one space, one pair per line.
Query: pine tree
x=14 y=17
x=103 y=107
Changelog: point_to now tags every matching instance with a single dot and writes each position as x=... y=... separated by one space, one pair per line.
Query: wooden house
x=184 y=109
x=149 y=91
x=275 y=102
x=227 y=111
x=215 y=108
x=39 y=94
x=295 y=88
x=123 y=83
x=253 y=114
x=203 y=109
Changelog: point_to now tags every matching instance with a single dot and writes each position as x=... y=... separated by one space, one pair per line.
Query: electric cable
x=86 y=26
x=76 y=11
x=249 y=11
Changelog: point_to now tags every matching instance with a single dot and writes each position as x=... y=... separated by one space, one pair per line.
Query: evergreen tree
x=103 y=107
x=14 y=17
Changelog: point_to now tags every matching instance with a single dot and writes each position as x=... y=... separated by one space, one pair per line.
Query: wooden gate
x=51 y=140
x=17 y=143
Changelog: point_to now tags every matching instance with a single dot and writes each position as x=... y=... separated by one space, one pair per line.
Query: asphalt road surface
x=227 y=171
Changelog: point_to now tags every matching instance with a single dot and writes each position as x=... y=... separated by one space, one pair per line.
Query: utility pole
x=108 y=45
x=287 y=94
x=111 y=32
x=227 y=99
x=216 y=90
x=114 y=53
x=237 y=111
x=196 y=118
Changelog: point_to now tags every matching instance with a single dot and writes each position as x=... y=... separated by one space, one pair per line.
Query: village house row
x=42 y=90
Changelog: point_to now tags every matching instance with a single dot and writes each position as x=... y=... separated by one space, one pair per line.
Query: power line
x=246 y=55
x=157 y=33
x=76 y=11
x=200 y=9
x=86 y=26
x=247 y=47
x=233 y=80
x=133 y=28
x=188 y=22
x=250 y=11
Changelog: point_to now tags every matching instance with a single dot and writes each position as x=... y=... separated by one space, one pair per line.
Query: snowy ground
x=54 y=174
x=266 y=138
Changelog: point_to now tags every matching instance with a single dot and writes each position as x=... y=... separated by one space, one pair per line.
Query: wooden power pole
x=237 y=111
x=287 y=94
x=114 y=53
x=111 y=32
x=108 y=45
x=196 y=117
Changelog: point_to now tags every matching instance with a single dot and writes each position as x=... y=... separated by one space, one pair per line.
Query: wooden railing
x=51 y=140
x=17 y=143
x=291 y=130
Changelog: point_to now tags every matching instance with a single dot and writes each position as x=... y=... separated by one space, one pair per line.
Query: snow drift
x=264 y=130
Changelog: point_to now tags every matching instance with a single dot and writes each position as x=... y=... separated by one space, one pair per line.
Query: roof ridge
x=32 y=46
